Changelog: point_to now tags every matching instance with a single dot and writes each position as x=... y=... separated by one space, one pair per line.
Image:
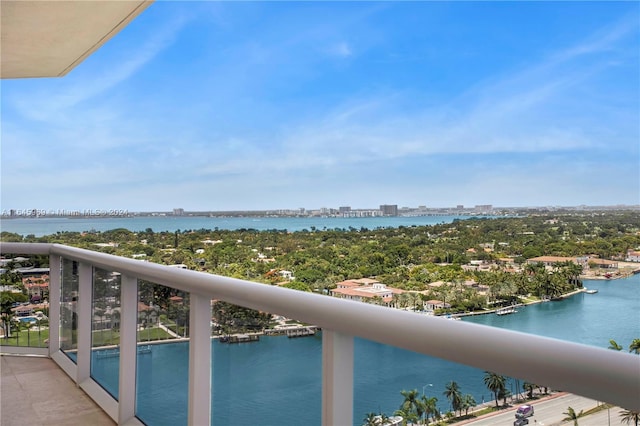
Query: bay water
x=51 y=225
x=277 y=381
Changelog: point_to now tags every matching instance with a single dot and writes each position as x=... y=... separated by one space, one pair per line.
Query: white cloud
x=342 y=49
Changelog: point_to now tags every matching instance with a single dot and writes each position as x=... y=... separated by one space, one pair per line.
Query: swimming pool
x=28 y=319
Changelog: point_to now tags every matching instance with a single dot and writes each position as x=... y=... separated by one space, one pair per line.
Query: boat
x=506 y=311
x=591 y=291
x=451 y=317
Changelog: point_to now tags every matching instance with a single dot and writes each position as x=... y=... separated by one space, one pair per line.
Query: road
x=550 y=413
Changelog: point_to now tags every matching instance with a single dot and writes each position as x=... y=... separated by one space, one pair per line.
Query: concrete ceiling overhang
x=49 y=38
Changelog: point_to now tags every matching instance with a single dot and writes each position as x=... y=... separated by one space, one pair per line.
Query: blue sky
x=242 y=105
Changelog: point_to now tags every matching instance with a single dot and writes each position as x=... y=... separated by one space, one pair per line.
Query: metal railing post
x=199 y=361
x=83 y=321
x=55 y=279
x=128 y=348
x=337 y=378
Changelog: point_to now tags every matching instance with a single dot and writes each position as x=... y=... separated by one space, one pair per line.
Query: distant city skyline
x=328 y=211
x=227 y=106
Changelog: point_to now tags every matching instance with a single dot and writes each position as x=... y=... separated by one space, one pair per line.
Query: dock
x=240 y=338
x=301 y=332
x=294 y=331
x=506 y=311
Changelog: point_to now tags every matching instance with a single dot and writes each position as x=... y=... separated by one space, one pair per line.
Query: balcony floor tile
x=35 y=391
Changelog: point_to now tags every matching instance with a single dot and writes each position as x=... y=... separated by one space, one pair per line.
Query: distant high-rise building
x=460 y=207
x=178 y=212
x=389 y=209
x=344 y=209
x=484 y=208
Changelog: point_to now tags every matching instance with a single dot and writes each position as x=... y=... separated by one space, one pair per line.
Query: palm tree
x=412 y=403
x=614 y=345
x=572 y=416
x=28 y=328
x=634 y=347
x=628 y=416
x=384 y=419
x=429 y=407
x=452 y=392
x=18 y=326
x=468 y=401
x=495 y=383
x=504 y=394
x=370 y=419
x=407 y=416
x=39 y=332
x=534 y=268
x=529 y=388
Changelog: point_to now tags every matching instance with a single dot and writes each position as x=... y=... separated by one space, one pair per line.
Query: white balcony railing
x=597 y=373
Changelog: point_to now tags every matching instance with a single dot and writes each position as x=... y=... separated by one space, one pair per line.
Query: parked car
x=521 y=421
x=524 y=411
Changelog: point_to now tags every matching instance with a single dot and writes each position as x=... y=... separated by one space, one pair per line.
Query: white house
x=633 y=256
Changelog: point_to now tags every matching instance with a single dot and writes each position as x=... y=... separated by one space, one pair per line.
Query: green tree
x=613 y=345
x=453 y=394
x=430 y=407
x=296 y=285
x=529 y=388
x=504 y=394
x=407 y=416
x=384 y=419
x=628 y=416
x=468 y=401
x=495 y=383
x=7 y=299
x=371 y=419
x=572 y=416
x=412 y=402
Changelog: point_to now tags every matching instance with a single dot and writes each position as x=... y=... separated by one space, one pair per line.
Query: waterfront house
x=633 y=256
x=23 y=310
x=287 y=275
x=37 y=287
x=365 y=289
x=602 y=263
x=432 y=305
x=550 y=261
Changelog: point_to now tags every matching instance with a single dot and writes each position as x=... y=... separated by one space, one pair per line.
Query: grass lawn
x=112 y=337
x=32 y=338
x=36 y=339
x=154 y=333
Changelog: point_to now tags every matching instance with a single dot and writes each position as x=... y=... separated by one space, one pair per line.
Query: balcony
x=81 y=280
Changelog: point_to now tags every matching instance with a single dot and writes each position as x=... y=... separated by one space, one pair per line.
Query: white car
x=524 y=411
